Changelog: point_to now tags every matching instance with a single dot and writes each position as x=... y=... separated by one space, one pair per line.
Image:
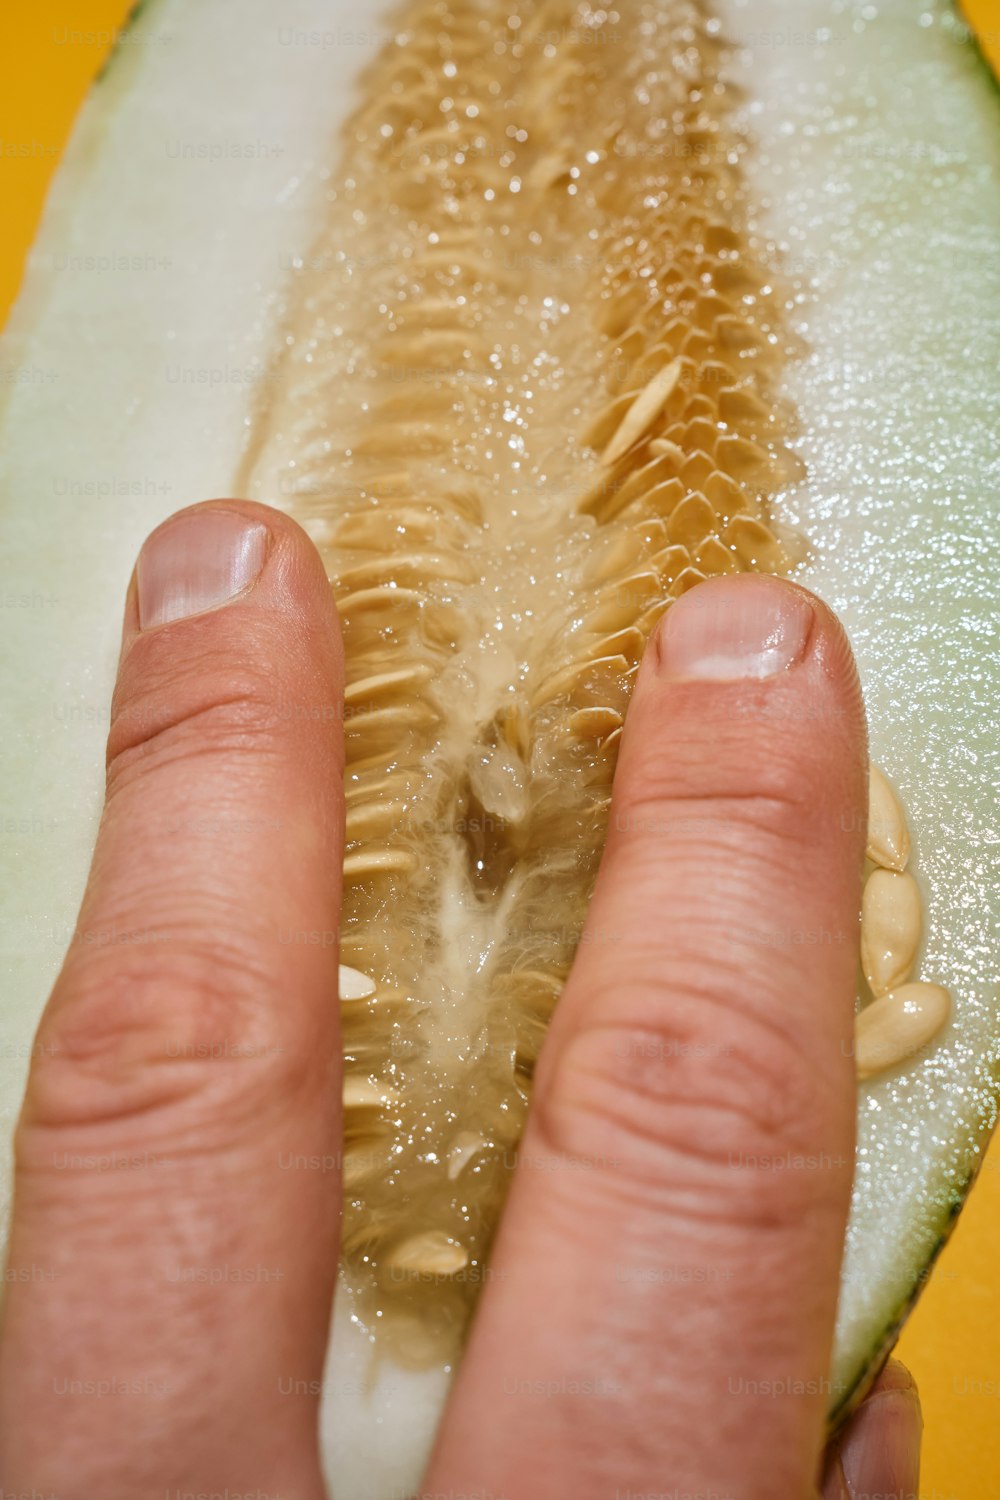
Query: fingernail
x=881 y=1452
x=733 y=628
x=196 y=562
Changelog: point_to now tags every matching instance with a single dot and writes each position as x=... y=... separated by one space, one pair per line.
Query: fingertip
x=216 y=552
x=750 y=626
x=729 y=628
x=879 y=1453
x=749 y=690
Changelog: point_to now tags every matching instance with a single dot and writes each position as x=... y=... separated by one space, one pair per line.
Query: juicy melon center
x=526 y=396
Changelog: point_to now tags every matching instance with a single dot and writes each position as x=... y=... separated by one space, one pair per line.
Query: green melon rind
x=141 y=8
x=868 y=1366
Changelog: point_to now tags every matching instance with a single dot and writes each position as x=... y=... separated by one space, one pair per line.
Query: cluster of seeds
x=903 y=1015
x=528 y=396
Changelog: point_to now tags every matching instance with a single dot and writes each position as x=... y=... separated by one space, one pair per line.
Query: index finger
x=170 y=1188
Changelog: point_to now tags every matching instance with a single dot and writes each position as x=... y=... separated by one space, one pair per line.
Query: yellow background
x=952 y=1343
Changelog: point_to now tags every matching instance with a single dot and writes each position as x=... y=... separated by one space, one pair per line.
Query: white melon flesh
x=203 y=153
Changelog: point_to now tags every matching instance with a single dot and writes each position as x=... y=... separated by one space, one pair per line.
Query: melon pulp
x=869 y=159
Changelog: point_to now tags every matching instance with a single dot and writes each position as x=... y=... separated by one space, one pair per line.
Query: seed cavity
x=529 y=398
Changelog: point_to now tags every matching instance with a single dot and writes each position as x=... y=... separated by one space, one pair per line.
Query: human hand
x=660 y=1315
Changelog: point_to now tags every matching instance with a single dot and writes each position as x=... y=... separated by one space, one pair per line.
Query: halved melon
x=555 y=334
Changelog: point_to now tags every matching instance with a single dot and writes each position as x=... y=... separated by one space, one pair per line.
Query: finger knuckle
x=186 y=1046
x=198 y=703
x=766 y=786
x=657 y=816
x=697 y=1105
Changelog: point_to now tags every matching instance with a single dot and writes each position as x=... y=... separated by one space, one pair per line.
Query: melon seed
x=431 y=1254
x=362 y=1093
x=890 y=929
x=888 y=836
x=354 y=985
x=897 y=1025
x=643 y=411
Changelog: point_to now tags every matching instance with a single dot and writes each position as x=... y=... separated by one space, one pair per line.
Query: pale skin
x=661 y=1311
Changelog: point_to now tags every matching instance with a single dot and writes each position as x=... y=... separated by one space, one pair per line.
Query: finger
x=187 y=1061
x=662 y=1293
x=879 y=1453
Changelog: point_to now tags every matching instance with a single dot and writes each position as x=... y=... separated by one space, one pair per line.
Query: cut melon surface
x=868 y=146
